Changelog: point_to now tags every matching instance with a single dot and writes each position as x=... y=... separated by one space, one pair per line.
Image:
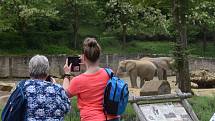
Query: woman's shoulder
x=79 y=77
x=40 y=86
x=41 y=83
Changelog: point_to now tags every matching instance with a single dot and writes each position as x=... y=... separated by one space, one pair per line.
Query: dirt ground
x=136 y=92
x=171 y=80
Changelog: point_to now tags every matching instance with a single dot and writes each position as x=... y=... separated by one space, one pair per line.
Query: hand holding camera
x=72 y=65
x=50 y=79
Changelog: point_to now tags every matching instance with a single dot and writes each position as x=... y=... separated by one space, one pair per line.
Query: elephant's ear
x=130 y=65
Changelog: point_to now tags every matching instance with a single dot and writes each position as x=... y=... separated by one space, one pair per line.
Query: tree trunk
x=76 y=25
x=124 y=33
x=204 y=44
x=23 y=25
x=214 y=37
x=182 y=64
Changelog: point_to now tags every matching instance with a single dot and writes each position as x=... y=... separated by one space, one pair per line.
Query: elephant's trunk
x=118 y=73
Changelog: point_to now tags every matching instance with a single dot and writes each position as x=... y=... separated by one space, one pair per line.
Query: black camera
x=75 y=63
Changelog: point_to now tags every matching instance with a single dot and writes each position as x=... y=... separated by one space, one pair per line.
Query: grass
x=111 y=45
x=75 y=115
x=48 y=50
x=204 y=108
x=196 y=49
x=128 y=116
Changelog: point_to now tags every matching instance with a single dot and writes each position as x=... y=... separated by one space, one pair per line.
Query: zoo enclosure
x=17 y=66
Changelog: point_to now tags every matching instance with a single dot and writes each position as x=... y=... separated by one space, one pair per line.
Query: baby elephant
x=144 y=69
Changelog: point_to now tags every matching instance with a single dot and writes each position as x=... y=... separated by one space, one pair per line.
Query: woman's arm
x=67 y=78
x=66 y=83
x=71 y=85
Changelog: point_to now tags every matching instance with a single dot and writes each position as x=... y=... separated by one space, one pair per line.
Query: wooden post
x=134 y=99
x=139 y=112
x=188 y=107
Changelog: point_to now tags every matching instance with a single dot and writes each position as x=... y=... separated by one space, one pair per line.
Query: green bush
x=11 y=41
x=60 y=42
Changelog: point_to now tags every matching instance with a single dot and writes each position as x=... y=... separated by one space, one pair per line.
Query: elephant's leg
x=142 y=81
x=164 y=74
x=133 y=79
x=160 y=74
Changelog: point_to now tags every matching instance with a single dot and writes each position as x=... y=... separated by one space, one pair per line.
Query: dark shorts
x=116 y=119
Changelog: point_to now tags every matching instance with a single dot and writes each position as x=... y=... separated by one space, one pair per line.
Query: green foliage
x=203 y=106
x=203 y=14
x=129 y=114
x=23 y=14
x=119 y=13
x=195 y=50
x=35 y=42
x=151 y=21
x=82 y=18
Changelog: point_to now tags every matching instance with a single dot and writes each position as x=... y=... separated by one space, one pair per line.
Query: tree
x=75 y=12
x=203 y=16
x=151 y=21
x=19 y=15
x=119 y=15
x=179 y=9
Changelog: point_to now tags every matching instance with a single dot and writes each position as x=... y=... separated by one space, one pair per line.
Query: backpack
x=115 y=95
x=15 y=107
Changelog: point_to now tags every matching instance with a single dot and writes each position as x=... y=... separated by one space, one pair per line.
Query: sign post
x=169 y=107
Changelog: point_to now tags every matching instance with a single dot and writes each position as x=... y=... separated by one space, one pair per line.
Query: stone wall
x=17 y=66
x=202 y=63
x=4 y=66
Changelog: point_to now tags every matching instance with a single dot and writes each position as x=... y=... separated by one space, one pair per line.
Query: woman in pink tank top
x=89 y=86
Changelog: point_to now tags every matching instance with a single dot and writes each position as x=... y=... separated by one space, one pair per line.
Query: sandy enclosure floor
x=136 y=92
x=172 y=81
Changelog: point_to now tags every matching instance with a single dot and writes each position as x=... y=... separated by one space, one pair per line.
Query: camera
x=75 y=63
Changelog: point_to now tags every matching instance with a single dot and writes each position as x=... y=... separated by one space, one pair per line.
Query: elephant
x=144 y=69
x=163 y=64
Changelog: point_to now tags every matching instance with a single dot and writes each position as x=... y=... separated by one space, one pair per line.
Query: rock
x=203 y=78
x=6 y=86
x=134 y=91
x=194 y=85
x=158 y=87
x=2 y=93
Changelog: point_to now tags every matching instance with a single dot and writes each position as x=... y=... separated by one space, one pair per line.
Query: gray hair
x=39 y=66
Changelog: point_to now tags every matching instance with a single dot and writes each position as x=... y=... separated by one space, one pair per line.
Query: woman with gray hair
x=45 y=100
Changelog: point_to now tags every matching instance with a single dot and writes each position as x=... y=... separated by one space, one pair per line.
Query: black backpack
x=16 y=105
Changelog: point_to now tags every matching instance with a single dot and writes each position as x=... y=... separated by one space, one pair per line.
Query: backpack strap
x=110 y=72
x=21 y=85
